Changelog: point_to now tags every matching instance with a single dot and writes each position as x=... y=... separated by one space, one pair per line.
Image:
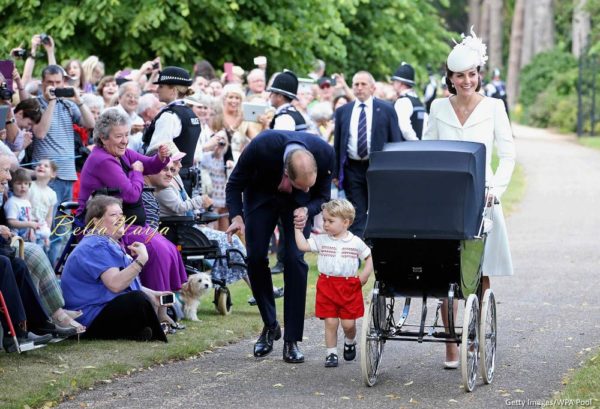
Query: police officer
x=497 y=89
x=409 y=108
x=283 y=90
x=176 y=121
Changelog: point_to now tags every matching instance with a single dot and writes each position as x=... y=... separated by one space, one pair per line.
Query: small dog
x=191 y=292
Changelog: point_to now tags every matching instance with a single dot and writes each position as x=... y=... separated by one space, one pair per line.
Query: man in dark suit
x=361 y=127
x=287 y=175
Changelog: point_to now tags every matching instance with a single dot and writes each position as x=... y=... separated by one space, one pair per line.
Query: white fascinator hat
x=468 y=54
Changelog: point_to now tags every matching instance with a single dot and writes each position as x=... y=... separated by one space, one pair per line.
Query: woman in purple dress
x=112 y=165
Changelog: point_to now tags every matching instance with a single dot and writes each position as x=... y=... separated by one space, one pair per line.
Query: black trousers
x=124 y=317
x=259 y=228
x=22 y=300
x=355 y=187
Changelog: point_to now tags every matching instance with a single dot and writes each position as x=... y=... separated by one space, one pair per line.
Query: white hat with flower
x=468 y=54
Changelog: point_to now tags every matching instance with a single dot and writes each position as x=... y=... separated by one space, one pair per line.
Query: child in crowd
x=18 y=208
x=339 y=289
x=43 y=200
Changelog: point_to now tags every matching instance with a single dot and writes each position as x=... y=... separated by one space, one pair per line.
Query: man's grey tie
x=361 y=145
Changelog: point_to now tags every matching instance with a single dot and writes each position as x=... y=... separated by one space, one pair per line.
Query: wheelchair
x=427 y=236
x=198 y=252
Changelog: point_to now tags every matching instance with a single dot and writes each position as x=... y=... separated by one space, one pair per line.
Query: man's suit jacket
x=384 y=128
x=260 y=168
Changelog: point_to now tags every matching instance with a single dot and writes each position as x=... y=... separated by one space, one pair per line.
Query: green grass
x=47 y=375
x=590 y=141
x=583 y=386
x=516 y=188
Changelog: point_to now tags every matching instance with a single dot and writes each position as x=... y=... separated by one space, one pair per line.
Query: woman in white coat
x=466 y=115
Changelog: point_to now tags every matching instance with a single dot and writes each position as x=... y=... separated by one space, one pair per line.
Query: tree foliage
x=348 y=34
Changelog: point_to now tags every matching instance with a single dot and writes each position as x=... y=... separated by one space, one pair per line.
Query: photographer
x=48 y=43
x=54 y=135
x=26 y=114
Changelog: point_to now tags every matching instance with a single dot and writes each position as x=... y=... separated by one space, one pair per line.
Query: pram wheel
x=469 y=347
x=223 y=301
x=487 y=332
x=374 y=327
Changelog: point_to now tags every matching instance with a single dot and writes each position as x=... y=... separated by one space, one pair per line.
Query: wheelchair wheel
x=374 y=327
x=469 y=347
x=487 y=332
x=223 y=301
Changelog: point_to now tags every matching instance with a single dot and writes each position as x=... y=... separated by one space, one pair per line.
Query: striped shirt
x=59 y=143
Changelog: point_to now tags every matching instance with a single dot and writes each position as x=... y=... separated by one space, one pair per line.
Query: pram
x=427 y=212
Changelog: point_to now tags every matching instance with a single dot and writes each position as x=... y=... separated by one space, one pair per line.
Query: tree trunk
x=483 y=30
x=495 y=34
x=581 y=27
x=544 y=26
x=474 y=14
x=528 y=33
x=514 y=54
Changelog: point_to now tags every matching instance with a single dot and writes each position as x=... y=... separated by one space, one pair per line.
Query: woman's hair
x=105 y=122
x=233 y=89
x=340 y=208
x=31 y=109
x=337 y=98
x=125 y=87
x=89 y=65
x=451 y=88
x=96 y=206
x=20 y=175
x=93 y=101
x=321 y=111
x=105 y=80
x=81 y=75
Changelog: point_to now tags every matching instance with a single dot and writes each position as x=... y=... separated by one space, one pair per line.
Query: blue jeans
x=64 y=193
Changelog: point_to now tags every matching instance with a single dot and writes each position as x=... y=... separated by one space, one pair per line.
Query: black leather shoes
x=349 y=352
x=264 y=343
x=291 y=353
x=331 y=361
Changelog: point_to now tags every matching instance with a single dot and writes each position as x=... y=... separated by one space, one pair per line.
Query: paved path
x=548 y=315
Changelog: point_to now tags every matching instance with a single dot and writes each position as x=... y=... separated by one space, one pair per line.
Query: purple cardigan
x=101 y=170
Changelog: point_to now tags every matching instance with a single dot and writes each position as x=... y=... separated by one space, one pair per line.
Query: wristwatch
x=10 y=121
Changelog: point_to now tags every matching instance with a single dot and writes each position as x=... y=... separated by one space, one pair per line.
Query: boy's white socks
x=331 y=351
x=350 y=341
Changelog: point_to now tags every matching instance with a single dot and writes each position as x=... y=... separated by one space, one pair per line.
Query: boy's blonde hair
x=340 y=208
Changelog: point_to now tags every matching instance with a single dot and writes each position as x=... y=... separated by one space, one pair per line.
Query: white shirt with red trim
x=338 y=257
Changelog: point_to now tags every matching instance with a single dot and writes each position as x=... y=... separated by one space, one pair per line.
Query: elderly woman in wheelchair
x=173 y=201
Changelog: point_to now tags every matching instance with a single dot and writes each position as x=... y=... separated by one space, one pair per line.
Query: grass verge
x=582 y=387
x=590 y=141
x=46 y=376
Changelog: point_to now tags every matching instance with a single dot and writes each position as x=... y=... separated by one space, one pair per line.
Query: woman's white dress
x=487 y=124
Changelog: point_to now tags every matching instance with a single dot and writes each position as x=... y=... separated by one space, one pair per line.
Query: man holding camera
x=54 y=135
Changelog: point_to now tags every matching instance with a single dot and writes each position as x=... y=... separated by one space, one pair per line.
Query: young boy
x=339 y=289
x=18 y=207
x=43 y=200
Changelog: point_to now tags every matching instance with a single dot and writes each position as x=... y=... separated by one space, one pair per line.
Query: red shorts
x=339 y=297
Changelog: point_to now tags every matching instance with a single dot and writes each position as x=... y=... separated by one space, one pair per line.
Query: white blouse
x=487 y=124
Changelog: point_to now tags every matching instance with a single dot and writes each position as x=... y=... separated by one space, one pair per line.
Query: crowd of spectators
x=51 y=134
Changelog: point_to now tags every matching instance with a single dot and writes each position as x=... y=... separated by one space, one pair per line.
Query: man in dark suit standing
x=287 y=175
x=361 y=127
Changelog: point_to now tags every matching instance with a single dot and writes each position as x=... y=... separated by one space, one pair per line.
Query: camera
x=167 y=299
x=66 y=92
x=20 y=53
x=5 y=93
x=45 y=39
x=155 y=66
